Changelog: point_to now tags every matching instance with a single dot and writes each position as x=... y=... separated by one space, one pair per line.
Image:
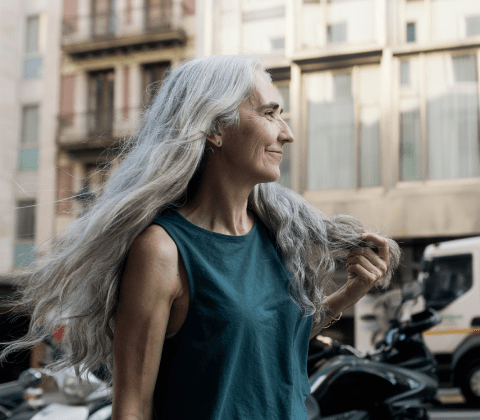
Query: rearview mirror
x=411 y=290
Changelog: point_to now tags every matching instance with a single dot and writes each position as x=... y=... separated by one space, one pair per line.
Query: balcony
x=95 y=129
x=131 y=29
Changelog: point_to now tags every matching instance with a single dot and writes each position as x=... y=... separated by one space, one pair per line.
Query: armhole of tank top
x=191 y=285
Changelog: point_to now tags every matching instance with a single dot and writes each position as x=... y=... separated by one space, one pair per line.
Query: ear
x=215 y=139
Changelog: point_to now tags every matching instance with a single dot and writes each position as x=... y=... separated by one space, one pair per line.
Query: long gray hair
x=76 y=282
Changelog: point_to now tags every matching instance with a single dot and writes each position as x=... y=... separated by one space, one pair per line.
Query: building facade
x=29 y=87
x=29 y=51
x=383 y=98
x=113 y=53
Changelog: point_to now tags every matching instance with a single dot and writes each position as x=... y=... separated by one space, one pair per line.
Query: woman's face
x=254 y=148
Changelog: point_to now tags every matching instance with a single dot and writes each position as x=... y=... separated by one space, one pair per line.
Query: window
x=158 y=14
x=101 y=89
x=25 y=232
x=337 y=32
x=285 y=165
x=33 y=62
x=448 y=144
x=472 y=25
x=28 y=153
x=449 y=278
x=104 y=20
x=405 y=72
x=31 y=39
x=343 y=128
x=411 y=35
x=152 y=76
x=278 y=43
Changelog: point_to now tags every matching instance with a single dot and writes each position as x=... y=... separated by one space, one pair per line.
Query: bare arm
x=150 y=284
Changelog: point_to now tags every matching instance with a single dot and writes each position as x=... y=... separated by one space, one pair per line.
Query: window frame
x=358 y=105
x=421 y=94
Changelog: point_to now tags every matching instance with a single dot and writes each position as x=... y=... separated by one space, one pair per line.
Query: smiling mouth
x=273 y=151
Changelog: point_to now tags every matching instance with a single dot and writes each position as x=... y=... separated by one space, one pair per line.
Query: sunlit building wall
x=29 y=52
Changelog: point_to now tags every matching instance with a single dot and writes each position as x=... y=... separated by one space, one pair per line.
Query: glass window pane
x=32 y=68
x=28 y=159
x=285 y=96
x=405 y=72
x=369 y=84
x=30 y=125
x=369 y=147
x=337 y=32
x=472 y=25
x=342 y=83
x=25 y=215
x=23 y=254
x=285 y=165
x=411 y=37
x=410 y=140
x=330 y=131
x=450 y=278
x=31 y=42
x=452 y=118
x=465 y=68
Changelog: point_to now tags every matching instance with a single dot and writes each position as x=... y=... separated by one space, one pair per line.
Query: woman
x=195 y=277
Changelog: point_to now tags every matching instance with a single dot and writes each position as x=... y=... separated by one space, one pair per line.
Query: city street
x=454 y=407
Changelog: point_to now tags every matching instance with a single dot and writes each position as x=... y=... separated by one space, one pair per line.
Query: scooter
x=394 y=382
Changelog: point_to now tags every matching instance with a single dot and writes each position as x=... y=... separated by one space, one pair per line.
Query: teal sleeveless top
x=241 y=353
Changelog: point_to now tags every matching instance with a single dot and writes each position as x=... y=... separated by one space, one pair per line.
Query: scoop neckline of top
x=216 y=234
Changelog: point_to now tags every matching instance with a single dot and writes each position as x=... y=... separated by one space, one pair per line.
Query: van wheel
x=470 y=383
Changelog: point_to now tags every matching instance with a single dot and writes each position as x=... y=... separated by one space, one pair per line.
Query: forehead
x=264 y=90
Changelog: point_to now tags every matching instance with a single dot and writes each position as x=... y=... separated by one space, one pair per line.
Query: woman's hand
x=365 y=268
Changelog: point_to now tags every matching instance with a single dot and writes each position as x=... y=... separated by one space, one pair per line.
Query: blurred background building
x=382 y=96
x=29 y=62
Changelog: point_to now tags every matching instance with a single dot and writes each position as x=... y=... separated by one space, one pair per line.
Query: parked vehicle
x=394 y=382
x=450 y=272
x=73 y=399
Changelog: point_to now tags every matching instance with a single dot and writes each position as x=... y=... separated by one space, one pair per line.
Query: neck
x=220 y=203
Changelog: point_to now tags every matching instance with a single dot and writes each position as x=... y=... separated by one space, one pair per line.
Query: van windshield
x=448 y=279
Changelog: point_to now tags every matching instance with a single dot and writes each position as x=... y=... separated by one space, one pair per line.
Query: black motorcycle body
x=392 y=383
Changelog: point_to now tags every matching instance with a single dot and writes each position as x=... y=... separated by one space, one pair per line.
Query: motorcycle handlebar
x=421 y=322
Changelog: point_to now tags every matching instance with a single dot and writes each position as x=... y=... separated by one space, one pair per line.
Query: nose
x=285 y=135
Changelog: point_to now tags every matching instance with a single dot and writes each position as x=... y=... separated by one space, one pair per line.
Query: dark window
x=337 y=32
x=152 y=76
x=103 y=17
x=101 y=88
x=450 y=278
x=278 y=43
x=411 y=35
x=25 y=220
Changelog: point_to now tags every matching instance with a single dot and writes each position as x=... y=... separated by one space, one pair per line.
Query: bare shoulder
x=154 y=241
x=153 y=261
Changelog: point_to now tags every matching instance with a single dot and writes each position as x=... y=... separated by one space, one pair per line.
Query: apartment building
x=29 y=52
x=383 y=98
x=29 y=86
x=113 y=54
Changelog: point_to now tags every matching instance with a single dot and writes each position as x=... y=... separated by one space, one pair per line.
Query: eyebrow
x=270 y=105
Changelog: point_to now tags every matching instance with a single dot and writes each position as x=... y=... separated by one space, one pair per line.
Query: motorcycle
x=72 y=398
x=394 y=382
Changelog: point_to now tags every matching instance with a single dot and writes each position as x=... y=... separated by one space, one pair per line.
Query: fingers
x=368 y=266
x=381 y=243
